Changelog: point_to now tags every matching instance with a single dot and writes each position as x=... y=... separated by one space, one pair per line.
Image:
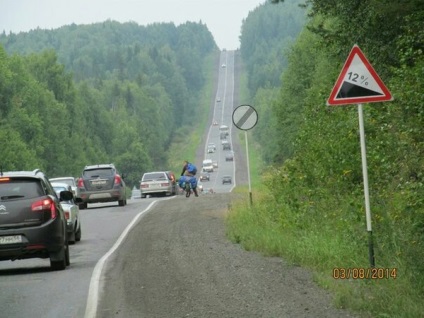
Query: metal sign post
x=366 y=188
x=245 y=117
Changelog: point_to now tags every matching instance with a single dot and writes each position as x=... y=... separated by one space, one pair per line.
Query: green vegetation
x=312 y=212
x=105 y=92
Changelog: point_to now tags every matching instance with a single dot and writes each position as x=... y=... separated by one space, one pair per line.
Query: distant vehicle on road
x=212 y=145
x=226 y=145
x=227 y=179
x=229 y=157
x=204 y=177
x=224 y=129
x=158 y=183
x=101 y=183
x=207 y=165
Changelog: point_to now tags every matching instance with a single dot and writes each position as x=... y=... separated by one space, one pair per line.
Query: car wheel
x=82 y=206
x=59 y=260
x=67 y=257
x=78 y=234
x=71 y=237
x=121 y=202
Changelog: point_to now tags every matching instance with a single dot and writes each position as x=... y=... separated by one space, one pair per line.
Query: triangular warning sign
x=358 y=82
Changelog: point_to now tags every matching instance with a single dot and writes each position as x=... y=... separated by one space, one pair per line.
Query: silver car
x=68 y=180
x=73 y=221
x=157 y=183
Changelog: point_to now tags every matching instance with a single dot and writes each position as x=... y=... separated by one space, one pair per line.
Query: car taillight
x=165 y=184
x=80 y=183
x=43 y=205
x=67 y=215
x=144 y=185
x=117 y=179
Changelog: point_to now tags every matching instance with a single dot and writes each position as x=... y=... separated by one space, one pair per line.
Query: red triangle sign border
x=333 y=100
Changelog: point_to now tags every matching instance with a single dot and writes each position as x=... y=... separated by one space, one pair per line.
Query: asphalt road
x=28 y=288
x=178 y=262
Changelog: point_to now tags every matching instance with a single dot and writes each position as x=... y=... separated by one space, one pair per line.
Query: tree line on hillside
x=312 y=152
x=99 y=93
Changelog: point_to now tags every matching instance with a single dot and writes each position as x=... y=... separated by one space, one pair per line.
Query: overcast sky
x=222 y=17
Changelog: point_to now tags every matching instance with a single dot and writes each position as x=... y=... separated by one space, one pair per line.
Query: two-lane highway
x=222 y=115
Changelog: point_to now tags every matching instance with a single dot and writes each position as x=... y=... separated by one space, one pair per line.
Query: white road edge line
x=93 y=291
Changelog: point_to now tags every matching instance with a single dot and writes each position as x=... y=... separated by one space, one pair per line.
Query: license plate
x=10 y=239
x=98 y=182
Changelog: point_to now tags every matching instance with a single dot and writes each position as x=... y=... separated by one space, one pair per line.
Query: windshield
x=98 y=173
x=154 y=176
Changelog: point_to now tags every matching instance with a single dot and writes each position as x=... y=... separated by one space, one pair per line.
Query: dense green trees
x=267 y=35
x=106 y=92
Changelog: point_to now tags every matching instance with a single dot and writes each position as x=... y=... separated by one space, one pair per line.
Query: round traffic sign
x=245 y=117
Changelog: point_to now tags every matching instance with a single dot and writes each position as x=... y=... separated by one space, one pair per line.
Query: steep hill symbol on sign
x=358 y=82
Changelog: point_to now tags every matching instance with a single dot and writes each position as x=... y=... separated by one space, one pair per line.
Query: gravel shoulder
x=177 y=262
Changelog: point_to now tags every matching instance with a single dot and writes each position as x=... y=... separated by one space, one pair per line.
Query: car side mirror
x=66 y=196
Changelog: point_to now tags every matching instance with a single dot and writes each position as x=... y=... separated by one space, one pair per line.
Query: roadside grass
x=272 y=229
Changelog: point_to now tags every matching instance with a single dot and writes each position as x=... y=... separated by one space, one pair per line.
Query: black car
x=33 y=223
x=101 y=183
x=227 y=179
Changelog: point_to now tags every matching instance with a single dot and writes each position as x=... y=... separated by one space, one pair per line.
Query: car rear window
x=99 y=173
x=154 y=176
x=68 y=181
x=20 y=188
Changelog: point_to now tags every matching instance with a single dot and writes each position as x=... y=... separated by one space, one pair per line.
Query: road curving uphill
x=178 y=262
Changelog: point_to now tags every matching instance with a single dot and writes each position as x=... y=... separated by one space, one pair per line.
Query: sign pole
x=245 y=117
x=366 y=187
x=248 y=169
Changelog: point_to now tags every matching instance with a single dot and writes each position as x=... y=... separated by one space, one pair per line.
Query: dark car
x=101 y=183
x=227 y=179
x=226 y=146
x=204 y=177
x=229 y=157
x=32 y=221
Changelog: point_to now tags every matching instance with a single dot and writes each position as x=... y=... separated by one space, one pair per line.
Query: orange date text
x=364 y=273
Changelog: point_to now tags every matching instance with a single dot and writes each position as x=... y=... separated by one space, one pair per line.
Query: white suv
x=207 y=165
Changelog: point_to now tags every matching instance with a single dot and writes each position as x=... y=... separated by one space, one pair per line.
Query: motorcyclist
x=187 y=171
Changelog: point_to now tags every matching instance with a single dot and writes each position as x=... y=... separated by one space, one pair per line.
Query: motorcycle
x=188 y=184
